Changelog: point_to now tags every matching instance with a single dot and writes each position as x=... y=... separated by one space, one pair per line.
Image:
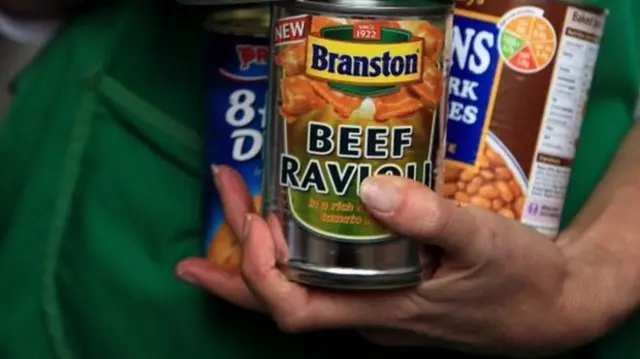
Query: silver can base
x=350 y=279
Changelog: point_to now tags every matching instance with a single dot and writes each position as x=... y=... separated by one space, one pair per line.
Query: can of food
x=355 y=91
x=520 y=76
x=237 y=69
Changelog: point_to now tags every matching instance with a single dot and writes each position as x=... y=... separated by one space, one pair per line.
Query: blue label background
x=221 y=53
x=468 y=138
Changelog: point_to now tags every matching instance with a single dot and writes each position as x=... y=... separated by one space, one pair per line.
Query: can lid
x=254 y=20
x=375 y=7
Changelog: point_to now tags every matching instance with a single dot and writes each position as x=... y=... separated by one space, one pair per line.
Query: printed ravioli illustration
x=359 y=98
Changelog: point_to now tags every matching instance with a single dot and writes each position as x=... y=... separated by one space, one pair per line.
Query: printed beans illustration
x=492 y=186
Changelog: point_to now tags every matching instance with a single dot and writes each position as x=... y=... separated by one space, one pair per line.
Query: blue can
x=237 y=69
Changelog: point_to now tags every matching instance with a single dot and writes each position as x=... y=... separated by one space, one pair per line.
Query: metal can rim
x=253 y=20
x=368 y=10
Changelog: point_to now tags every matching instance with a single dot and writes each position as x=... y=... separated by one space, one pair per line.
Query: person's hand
x=499 y=287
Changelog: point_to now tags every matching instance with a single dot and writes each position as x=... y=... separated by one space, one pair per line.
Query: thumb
x=412 y=210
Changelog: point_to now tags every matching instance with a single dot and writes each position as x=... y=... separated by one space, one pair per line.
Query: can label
x=357 y=98
x=518 y=86
x=237 y=86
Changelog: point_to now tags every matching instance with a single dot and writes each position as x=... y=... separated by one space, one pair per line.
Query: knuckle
x=248 y=270
x=424 y=213
x=432 y=220
x=439 y=220
x=289 y=322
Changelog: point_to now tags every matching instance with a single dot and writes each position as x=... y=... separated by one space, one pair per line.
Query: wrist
x=600 y=290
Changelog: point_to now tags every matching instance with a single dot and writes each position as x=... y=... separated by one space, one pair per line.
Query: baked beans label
x=357 y=98
x=475 y=65
x=516 y=96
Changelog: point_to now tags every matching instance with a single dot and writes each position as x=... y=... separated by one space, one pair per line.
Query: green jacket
x=100 y=196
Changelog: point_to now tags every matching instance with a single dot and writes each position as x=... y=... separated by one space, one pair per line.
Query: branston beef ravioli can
x=520 y=76
x=355 y=91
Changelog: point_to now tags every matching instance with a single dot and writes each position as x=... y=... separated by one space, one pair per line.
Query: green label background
x=296 y=137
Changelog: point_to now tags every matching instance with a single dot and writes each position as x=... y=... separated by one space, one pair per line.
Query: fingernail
x=382 y=193
x=214 y=173
x=187 y=277
x=247 y=226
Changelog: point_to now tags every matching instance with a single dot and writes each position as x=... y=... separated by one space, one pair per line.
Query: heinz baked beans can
x=237 y=50
x=520 y=78
x=355 y=91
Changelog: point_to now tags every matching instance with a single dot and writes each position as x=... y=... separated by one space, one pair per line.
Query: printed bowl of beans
x=496 y=185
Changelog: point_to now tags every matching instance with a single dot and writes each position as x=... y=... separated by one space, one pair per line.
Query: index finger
x=225 y=284
x=235 y=197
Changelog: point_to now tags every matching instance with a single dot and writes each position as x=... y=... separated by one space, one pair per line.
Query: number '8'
x=247 y=142
x=241 y=112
